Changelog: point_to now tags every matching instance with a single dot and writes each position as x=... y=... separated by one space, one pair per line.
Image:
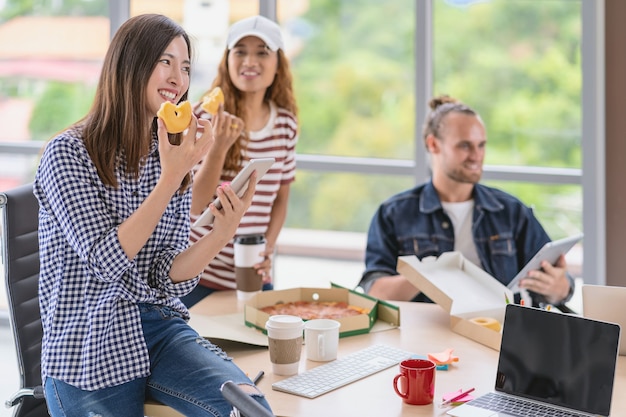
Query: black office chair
x=20 y=256
x=19 y=246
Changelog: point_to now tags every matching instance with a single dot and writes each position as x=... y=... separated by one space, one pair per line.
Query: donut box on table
x=475 y=300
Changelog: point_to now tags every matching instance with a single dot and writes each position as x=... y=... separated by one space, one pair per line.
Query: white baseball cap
x=261 y=27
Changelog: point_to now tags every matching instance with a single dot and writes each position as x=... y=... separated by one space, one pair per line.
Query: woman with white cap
x=257 y=120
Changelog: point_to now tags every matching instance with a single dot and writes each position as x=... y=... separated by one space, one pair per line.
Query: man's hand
x=550 y=281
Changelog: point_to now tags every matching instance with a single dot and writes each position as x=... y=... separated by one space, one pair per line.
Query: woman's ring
x=234 y=126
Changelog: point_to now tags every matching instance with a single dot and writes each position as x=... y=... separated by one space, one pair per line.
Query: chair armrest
x=36 y=392
x=246 y=405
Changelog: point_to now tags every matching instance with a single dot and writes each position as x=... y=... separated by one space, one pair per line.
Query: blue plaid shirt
x=88 y=288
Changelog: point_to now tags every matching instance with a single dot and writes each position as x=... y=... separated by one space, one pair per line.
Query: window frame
x=591 y=177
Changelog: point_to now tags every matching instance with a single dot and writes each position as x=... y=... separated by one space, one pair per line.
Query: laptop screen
x=557 y=358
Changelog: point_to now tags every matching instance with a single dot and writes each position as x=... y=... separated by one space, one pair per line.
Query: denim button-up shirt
x=506 y=233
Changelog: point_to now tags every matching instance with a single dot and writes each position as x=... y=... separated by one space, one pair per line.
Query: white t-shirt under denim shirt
x=460 y=215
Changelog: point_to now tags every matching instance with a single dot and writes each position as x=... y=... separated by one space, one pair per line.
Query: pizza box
x=463 y=289
x=353 y=325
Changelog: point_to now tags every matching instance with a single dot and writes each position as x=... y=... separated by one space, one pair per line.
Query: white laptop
x=606 y=303
x=550 y=364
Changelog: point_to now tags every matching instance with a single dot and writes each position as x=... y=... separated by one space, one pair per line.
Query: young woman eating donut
x=114 y=191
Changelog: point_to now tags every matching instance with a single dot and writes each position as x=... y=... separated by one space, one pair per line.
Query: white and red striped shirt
x=276 y=140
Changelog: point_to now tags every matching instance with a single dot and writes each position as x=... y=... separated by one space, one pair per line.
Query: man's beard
x=459 y=175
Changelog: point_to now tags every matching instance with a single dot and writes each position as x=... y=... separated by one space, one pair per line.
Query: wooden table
x=424 y=328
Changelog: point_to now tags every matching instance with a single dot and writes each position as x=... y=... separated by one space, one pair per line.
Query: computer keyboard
x=342 y=371
x=519 y=407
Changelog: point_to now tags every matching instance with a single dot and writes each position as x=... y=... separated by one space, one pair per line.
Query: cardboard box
x=359 y=324
x=461 y=288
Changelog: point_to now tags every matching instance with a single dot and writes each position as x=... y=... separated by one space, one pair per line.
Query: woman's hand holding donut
x=178 y=160
x=227 y=128
x=176 y=116
x=212 y=100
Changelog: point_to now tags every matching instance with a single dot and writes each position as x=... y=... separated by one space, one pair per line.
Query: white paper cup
x=246 y=295
x=284 y=334
x=321 y=338
x=247 y=250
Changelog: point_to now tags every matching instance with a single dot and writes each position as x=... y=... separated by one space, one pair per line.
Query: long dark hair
x=116 y=124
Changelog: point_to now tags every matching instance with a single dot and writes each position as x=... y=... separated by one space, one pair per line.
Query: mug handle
x=320 y=345
x=395 y=386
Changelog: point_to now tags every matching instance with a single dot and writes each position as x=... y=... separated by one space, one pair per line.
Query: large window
x=522 y=72
x=517 y=62
x=354 y=73
x=50 y=59
x=363 y=73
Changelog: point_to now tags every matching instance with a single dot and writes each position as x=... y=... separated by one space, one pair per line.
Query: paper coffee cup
x=247 y=249
x=284 y=334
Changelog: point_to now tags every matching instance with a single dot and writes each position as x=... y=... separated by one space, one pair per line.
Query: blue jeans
x=187 y=372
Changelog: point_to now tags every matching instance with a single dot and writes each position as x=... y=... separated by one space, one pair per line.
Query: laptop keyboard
x=495 y=402
x=342 y=371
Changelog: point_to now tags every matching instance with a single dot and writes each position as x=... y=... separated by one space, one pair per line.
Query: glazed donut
x=211 y=102
x=176 y=117
x=487 y=322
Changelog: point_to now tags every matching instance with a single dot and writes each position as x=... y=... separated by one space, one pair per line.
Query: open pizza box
x=379 y=313
x=463 y=289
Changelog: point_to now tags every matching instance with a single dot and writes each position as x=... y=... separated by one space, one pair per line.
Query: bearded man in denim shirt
x=453 y=212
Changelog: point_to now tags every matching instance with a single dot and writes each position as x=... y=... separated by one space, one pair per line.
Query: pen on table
x=456 y=397
x=258 y=377
x=506 y=299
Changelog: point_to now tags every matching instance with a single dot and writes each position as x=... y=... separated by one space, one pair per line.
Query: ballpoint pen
x=258 y=377
x=456 y=397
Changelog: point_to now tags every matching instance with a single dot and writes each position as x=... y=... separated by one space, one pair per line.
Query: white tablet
x=239 y=185
x=549 y=252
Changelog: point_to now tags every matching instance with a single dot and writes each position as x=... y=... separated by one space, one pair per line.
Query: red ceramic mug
x=416 y=381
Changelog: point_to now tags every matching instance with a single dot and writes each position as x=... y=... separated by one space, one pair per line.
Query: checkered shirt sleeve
x=89 y=289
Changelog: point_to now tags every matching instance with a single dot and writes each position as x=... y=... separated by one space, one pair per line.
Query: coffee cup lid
x=250 y=239
x=284 y=321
